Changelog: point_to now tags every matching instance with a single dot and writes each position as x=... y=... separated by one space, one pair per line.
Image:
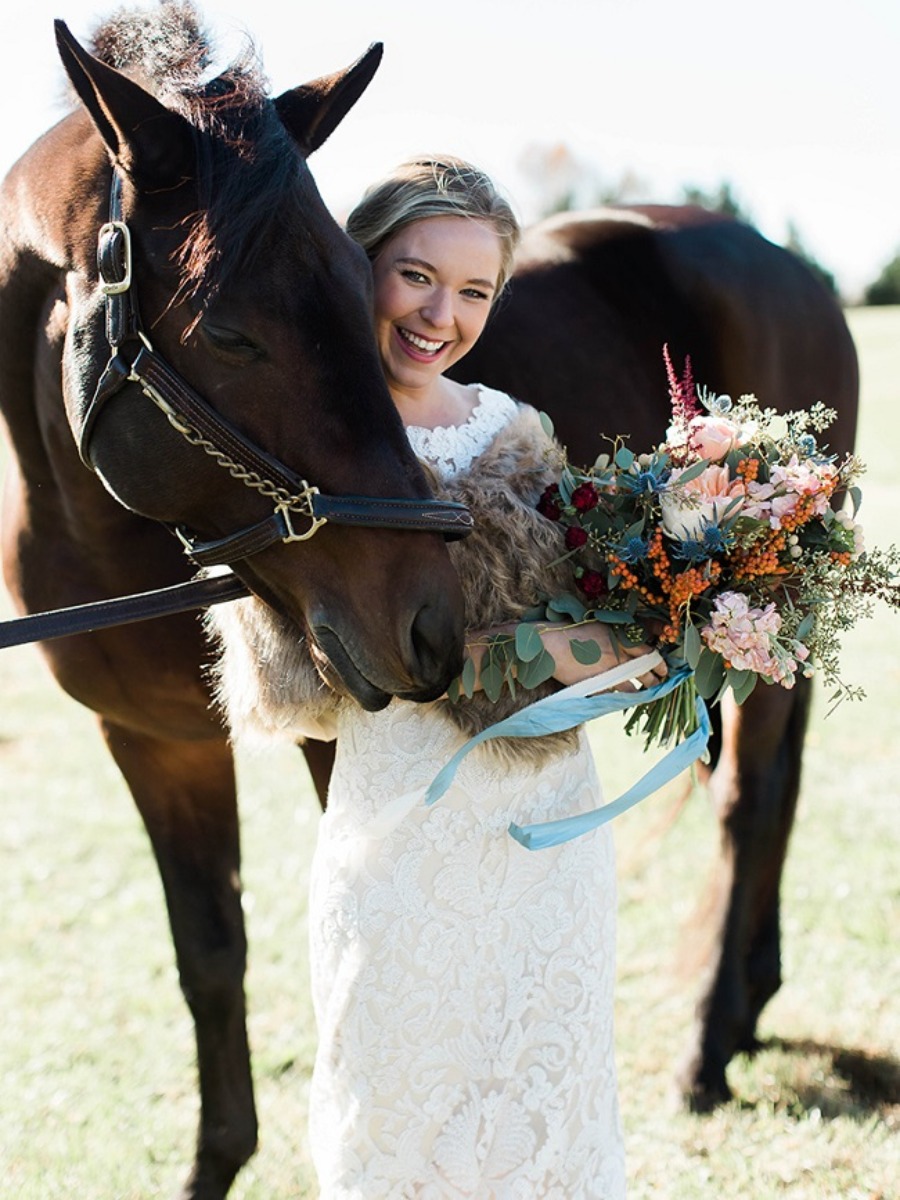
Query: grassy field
x=98 y=1096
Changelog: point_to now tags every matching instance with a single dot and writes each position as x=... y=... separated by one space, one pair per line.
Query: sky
x=795 y=103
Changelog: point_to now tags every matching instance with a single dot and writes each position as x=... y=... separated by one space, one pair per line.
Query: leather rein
x=295 y=501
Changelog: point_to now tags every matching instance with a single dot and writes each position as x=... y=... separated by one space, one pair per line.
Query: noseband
x=133 y=360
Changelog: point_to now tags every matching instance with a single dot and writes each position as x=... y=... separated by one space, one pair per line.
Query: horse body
x=594 y=299
x=247 y=286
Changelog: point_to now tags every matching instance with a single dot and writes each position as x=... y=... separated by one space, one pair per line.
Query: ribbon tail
x=544 y=834
x=563 y=710
x=390 y=815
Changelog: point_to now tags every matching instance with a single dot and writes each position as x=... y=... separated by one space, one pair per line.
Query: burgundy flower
x=549 y=505
x=575 y=537
x=585 y=497
x=593 y=584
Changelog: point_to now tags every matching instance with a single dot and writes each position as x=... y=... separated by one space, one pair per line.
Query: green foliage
x=797 y=246
x=721 y=200
x=886 y=288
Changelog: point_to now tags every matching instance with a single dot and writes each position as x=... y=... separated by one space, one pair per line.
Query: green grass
x=98 y=1098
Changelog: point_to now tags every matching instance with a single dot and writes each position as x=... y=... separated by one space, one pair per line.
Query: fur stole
x=265 y=679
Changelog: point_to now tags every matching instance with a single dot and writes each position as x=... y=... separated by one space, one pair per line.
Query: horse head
x=242 y=287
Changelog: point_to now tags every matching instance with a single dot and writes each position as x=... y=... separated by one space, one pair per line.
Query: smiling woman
x=434 y=283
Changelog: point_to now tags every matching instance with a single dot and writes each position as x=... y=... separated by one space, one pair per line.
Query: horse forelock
x=247 y=178
x=247 y=164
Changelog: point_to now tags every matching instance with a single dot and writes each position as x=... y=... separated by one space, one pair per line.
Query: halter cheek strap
x=134 y=360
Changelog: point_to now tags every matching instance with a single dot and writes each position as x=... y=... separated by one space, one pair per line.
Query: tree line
x=563 y=182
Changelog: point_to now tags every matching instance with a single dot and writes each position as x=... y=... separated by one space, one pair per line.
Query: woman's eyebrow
x=421 y=262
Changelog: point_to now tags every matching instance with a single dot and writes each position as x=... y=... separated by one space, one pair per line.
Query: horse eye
x=230 y=341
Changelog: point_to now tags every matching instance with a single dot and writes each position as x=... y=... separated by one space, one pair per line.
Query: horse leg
x=754 y=788
x=185 y=792
x=320 y=760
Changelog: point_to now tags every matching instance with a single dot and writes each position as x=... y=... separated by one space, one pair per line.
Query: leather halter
x=133 y=360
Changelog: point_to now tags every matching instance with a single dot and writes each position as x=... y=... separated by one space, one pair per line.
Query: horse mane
x=169 y=51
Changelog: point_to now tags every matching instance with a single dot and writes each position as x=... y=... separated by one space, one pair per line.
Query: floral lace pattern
x=463 y=986
x=453 y=448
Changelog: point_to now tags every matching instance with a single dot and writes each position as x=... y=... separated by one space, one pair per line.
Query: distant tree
x=563 y=182
x=722 y=200
x=796 y=245
x=886 y=288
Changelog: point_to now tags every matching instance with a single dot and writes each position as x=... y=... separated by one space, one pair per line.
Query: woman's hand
x=558 y=640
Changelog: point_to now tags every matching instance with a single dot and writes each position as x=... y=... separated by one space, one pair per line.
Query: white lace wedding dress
x=463 y=985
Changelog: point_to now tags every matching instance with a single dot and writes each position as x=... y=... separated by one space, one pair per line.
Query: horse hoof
x=699 y=1090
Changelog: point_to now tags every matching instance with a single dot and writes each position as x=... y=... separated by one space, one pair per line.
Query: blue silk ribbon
x=565 y=710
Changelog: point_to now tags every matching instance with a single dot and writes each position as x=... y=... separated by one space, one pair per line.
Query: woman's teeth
x=420 y=343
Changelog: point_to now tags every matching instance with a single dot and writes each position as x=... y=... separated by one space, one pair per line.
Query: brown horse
x=226 y=325
x=594 y=299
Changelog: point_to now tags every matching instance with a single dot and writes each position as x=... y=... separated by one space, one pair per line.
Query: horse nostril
x=432 y=639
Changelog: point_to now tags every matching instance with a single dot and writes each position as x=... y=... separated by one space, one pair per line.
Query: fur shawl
x=265 y=679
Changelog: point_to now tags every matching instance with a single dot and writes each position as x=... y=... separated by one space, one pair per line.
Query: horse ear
x=148 y=141
x=313 y=111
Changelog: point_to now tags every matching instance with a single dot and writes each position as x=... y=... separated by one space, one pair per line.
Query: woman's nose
x=438 y=310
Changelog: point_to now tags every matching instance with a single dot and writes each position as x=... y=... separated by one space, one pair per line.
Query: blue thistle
x=633 y=549
x=714 y=540
x=650 y=481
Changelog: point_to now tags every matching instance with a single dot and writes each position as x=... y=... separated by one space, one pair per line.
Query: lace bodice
x=453 y=448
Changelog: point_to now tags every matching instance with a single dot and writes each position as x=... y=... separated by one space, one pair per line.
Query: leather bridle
x=133 y=360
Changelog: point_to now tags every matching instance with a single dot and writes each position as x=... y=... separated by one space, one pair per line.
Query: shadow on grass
x=836 y=1081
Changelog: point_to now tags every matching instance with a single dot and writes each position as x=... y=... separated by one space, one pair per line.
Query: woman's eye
x=414 y=276
x=475 y=294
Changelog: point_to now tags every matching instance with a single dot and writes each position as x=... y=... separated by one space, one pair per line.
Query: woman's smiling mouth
x=417 y=346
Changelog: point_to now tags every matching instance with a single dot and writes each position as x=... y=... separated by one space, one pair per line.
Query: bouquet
x=734 y=546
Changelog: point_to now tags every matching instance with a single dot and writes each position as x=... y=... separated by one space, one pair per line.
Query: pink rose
x=688 y=508
x=713 y=437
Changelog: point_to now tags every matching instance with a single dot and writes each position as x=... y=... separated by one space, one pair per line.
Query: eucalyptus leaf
x=568 y=605
x=468 y=677
x=528 y=642
x=546 y=424
x=453 y=691
x=492 y=681
x=856 y=496
x=693 y=645
x=709 y=673
x=585 y=652
x=612 y=616
x=537 y=671
x=692 y=472
x=742 y=683
x=805 y=626
x=624 y=458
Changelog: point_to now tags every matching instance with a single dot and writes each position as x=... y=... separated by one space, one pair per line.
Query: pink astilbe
x=683 y=396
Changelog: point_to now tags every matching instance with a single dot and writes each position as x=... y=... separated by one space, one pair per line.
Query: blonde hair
x=433 y=187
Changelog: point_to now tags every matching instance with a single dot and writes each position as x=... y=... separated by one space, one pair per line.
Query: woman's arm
x=557 y=640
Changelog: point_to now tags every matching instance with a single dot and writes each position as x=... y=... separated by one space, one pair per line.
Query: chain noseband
x=202 y=426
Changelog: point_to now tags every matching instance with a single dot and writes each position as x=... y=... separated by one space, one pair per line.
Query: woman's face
x=434 y=283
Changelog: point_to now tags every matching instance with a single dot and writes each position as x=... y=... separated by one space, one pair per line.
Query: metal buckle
x=316 y=523
x=116 y=287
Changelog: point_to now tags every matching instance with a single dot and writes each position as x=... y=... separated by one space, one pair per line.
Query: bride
x=463 y=986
